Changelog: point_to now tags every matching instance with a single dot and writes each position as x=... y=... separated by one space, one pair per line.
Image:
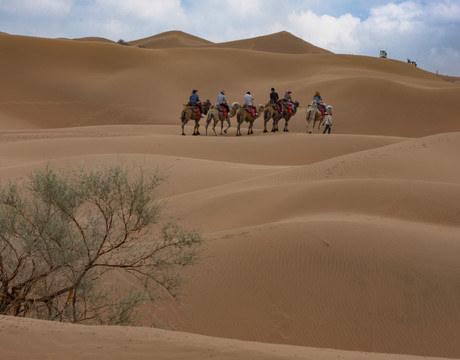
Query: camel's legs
x=229 y=124
x=266 y=118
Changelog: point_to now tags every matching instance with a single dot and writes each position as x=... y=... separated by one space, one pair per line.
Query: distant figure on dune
x=327 y=123
x=319 y=101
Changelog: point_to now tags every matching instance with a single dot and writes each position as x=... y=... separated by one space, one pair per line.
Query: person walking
x=327 y=123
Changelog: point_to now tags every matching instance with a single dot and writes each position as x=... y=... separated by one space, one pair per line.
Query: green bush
x=89 y=246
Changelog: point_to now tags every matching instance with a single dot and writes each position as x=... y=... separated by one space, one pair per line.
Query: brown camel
x=314 y=114
x=285 y=115
x=217 y=115
x=271 y=112
x=189 y=113
x=244 y=114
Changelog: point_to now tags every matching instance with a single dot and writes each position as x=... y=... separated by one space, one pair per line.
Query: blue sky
x=427 y=31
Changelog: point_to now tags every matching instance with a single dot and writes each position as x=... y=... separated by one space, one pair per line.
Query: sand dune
x=347 y=241
x=282 y=42
x=171 y=39
x=136 y=86
x=94 y=38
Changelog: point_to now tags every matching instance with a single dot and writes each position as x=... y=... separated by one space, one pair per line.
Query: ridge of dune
x=280 y=42
x=95 y=39
x=171 y=39
x=65 y=341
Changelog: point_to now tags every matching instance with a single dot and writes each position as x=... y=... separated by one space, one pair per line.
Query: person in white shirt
x=327 y=123
x=248 y=100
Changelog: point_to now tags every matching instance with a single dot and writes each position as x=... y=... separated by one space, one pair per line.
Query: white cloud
x=326 y=31
x=241 y=7
x=392 y=17
x=36 y=7
x=155 y=10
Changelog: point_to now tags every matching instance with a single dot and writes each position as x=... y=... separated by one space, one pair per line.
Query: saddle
x=289 y=107
x=252 y=111
x=195 y=108
x=223 y=109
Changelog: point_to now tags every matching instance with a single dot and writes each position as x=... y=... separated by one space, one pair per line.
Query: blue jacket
x=317 y=97
x=194 y=98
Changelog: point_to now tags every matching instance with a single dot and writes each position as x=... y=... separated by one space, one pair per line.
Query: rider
x=195 y=100
x=222 y=100
x=319 y=101
x=274 y=98
x=288 y=99
x=248 y=99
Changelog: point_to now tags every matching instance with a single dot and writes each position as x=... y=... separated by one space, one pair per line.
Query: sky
x=425 y=31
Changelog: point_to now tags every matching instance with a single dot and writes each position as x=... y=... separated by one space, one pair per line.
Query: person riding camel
x=319 y=101
x=195 y=101
x=288 y=99
x=274 y=98
x=248 y=101
x=222 y=100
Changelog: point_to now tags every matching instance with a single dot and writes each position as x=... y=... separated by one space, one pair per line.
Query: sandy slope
x=90 y=83
x=282 y=42
x=348 y=241
x=171 y=39
x=63 y=341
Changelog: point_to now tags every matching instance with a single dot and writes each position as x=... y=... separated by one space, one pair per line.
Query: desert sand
x=318 y=246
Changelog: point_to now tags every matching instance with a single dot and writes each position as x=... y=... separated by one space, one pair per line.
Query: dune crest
x=171 y=39
x=282 y=42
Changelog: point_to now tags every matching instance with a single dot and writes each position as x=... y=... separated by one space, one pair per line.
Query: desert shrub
x=122 y=42
x=89 y=246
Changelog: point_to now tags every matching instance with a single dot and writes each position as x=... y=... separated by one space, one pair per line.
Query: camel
x=218 y=115
x=244 y=114
x=286 y=116
x=271 y=112
x=314 y=114
x=188 y=114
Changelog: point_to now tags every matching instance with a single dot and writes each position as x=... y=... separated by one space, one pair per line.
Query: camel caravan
x=275 y=110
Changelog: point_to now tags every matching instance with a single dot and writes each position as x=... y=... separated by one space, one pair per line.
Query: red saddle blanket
x=289 y=106
x=198 y=112
x=224 y=110
x=252 y=111
x=278 y=107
